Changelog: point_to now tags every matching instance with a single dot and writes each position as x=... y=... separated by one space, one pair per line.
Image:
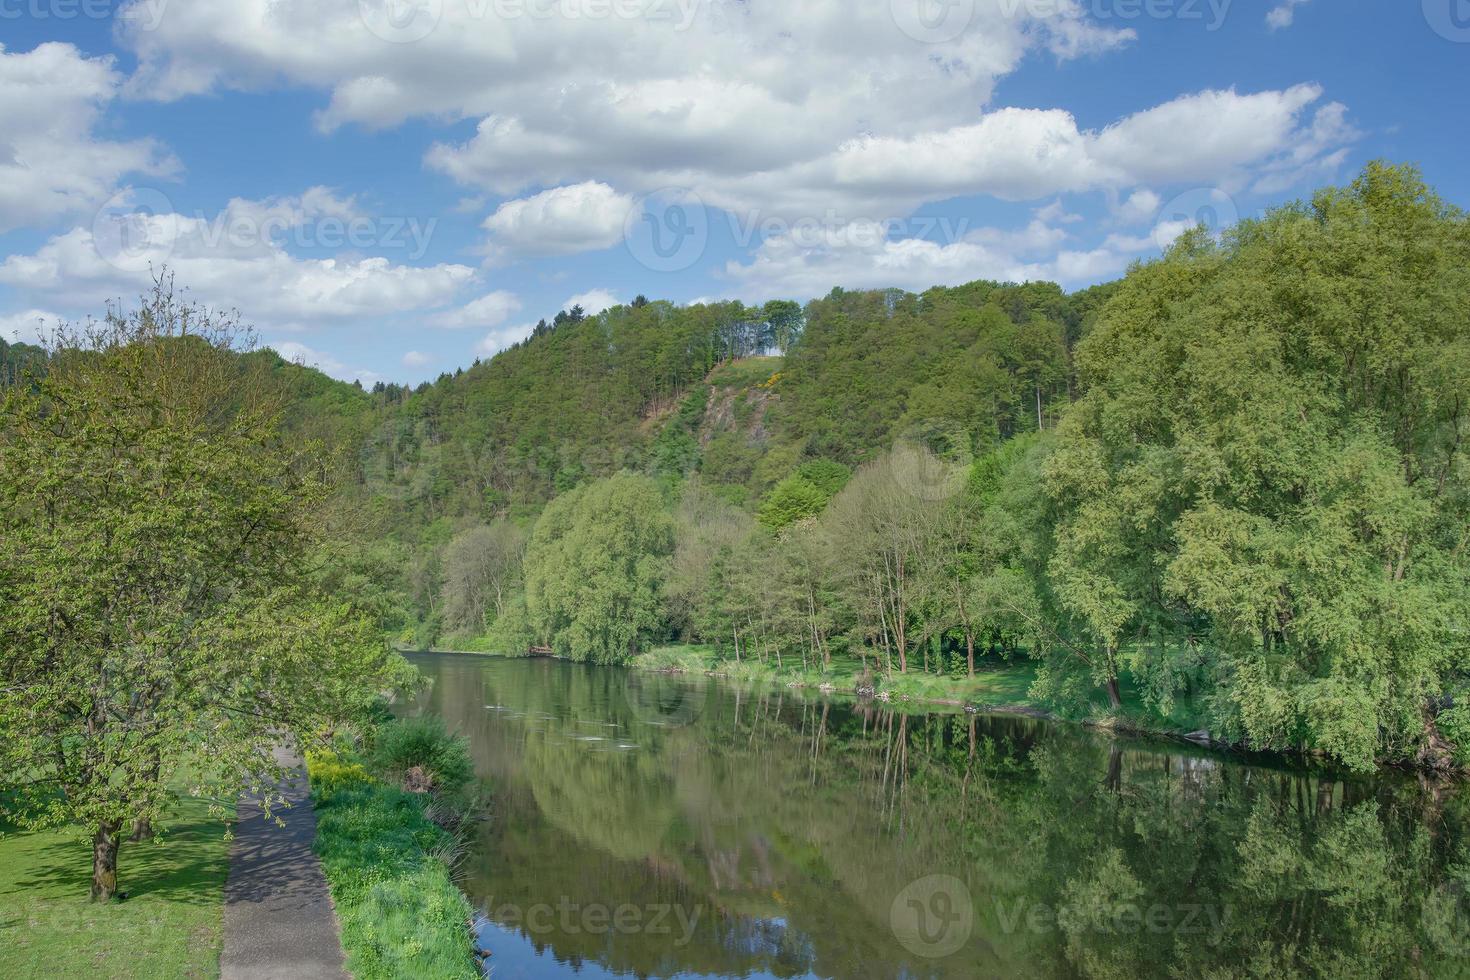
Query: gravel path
x=279 y=921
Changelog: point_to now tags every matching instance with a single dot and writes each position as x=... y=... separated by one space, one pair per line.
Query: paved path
x=279 y=921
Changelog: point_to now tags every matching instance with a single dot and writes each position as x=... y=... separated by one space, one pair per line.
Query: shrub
x=423 y=755
x=330 y=772
x=401 y=914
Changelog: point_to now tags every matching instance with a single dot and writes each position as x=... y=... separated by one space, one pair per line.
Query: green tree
x=1268 y=456
x=158 y=551
x=595 y=569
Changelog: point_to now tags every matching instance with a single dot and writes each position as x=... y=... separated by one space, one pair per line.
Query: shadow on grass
x=182 y=866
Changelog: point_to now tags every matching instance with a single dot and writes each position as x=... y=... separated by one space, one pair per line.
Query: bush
x=421 y=754
x=330 y=772
x=401 y=914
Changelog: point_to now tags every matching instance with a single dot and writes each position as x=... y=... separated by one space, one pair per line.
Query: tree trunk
x=105 y=846
x=1114 y=700
x=970 y=651
x=142 y=829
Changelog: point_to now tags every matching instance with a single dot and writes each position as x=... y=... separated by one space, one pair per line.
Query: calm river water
x=652 y=826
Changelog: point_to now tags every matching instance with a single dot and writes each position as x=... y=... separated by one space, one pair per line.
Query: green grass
x=746 y=372
x=400 y=912
x=169 y=926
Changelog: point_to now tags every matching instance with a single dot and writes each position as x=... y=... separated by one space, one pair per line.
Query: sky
x=389 y=189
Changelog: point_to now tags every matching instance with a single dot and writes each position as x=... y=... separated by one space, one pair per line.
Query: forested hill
x=675 y=390
x=741 y=397
x=1235 y=478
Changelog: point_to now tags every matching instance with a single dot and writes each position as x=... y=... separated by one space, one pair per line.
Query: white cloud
x=784 y=110
x=27 y=326
x=564 y=220
x=490 y=310
x=1142 y=205
x=593 y=302
x=416 y=359
x=649 y=94
x=499 y=339
x=298 y=353
x=115 y=257
x=1283 y=14
x=862 y=256
x=51 y=161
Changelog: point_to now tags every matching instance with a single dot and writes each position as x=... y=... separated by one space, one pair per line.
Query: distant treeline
x=1235 y=475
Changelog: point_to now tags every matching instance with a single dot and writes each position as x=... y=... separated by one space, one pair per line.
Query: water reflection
x=652 y=826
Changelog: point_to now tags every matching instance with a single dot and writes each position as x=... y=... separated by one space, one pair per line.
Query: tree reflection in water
x=653 y=826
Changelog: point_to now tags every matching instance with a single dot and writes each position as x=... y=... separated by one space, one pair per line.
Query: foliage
x=401 y=914
x=1267 y=460
x=423 y=744
x=157 y=538
x=595 y=568
x=804 y=493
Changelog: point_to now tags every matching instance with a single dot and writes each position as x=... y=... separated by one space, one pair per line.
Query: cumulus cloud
x=1283 y=14
x=866 y=256
x=52 y=163
x=490 y=310
x=27 y=326
x=561 y=221
x=499 y=339
x=593 y=302
x=255 y=273
x=298 y=353
x=416 y=359
x=649 y=93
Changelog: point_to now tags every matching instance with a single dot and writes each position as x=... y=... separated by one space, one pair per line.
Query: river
x=644 y=825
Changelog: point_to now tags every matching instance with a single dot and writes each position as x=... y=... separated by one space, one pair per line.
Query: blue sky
x=388 y=189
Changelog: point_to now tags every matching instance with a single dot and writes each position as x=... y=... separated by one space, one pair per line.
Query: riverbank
x=387 y=865
x=170 y=925
x=1002 y=687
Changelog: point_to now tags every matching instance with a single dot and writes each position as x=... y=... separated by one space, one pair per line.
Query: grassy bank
x=171 y=924
x=996 y=685
x=387 y=865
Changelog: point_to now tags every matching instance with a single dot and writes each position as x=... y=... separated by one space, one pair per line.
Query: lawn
x=169 y=926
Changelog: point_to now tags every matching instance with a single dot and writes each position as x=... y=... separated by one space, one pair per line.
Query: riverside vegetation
x=1227 y=492
x=1228 y=489
x=389 y=813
